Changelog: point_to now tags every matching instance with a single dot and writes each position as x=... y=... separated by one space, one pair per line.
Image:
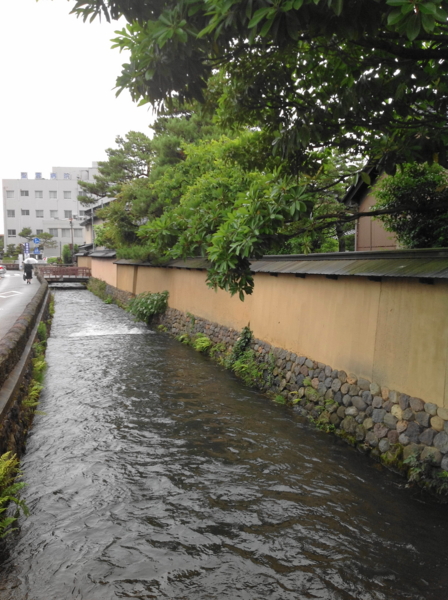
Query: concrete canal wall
x=367 y=357
x=16 y=355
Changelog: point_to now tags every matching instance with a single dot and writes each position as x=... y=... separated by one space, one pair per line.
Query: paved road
x=14 y=296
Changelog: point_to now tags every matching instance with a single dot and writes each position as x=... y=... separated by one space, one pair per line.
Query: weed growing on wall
x=201 y=343
x=247 y=368
x=147 y=305
x=97 y=287
x=9 y=490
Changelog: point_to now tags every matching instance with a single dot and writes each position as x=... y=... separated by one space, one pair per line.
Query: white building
x=46 y=205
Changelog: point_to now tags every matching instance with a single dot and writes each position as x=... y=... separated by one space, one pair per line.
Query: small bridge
x=64 y=274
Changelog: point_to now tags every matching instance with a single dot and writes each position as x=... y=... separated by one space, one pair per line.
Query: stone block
x=427 y=437
x=336 y=385
x=413 y=432
x=380 y=430
x=338 y=397
x=442 y=413
x=437 y=423
x=375 y=389
x=341 y=412
x=408 y=414
x=342 y=376
x=431 y=454
x=441 y=442
x=371 y=439
x=377 y=402
x=403 y=439
x=403 y=401
x=385 y=393
x=329 y=395
x=367 y=423
x=393 y=396
x=353 y=390
x=431 y=409
x=328 y=371
x=378 y=415
x=304 y=370
x=383 y=445
x=360 y=433
x=422 y=418
x=412 y=449
x=315 y=383
x=444 y=463
x=302 y=360
x=369 y=411
x=345 y=388
x=416 y=404
x=351 y=411
x=388 y=405
x=328 y=381
x=334 y=419
x=397 y=412
x=352 y=379
x=347 y=400
x=349 y=424
x=367 y=397
x=392 y=436
x=363 y=384
x=359 y=403
x=390 y=421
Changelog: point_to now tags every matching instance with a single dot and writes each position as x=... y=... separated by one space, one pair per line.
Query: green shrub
x=201 y=342
x=147 y=305
x=247 y=368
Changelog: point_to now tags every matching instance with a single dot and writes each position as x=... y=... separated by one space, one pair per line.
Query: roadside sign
x=36 y=240
x=27 y=248
x=36 y=251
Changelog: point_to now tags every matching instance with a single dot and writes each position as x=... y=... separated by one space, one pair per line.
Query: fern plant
x=201 y=342
x=9 y=489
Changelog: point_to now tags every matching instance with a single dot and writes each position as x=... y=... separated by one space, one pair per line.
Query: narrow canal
x=154 y=474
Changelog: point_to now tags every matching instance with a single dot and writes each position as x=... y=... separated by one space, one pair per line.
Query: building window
x=82 y=213
x=53 y=232
x=66 y=175
x=67 y=214
x=24 y=193
x=40 y=214
x=53 y=214
x=52 y=175
x=67 y=195
x=25 y=213
x=53 y=194
x=11 y=233
x=23 y=175
x=38 y=194
x=10 y=213
x=39 y=231
x=38 y=175
x=78 y=233
x=10 y=193
x=65 y=233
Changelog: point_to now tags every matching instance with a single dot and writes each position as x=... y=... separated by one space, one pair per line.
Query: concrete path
x=14 y=296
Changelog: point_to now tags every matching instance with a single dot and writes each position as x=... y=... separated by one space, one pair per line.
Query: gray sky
x=57 y=102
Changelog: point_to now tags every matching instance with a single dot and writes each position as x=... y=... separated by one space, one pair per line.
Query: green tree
x=26 y=233
x=66 y=254
x=129 y=161
x=46 y=241
x=416 y=202
x=359 y=75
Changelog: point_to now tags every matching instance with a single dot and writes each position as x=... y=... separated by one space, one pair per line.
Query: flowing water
x=155 y=474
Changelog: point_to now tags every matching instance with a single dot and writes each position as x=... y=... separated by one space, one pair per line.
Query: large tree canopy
x=362 y=75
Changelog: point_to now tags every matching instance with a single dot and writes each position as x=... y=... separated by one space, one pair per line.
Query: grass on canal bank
x=10 y=485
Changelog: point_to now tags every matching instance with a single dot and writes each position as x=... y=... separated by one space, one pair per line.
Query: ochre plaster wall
x=393 y=332
x=84 y=261
x=104 y=269
x=370 y=234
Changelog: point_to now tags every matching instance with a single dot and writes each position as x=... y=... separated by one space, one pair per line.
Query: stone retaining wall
x=387 y=424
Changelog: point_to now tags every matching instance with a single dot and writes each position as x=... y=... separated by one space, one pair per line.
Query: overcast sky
x=57 y=102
